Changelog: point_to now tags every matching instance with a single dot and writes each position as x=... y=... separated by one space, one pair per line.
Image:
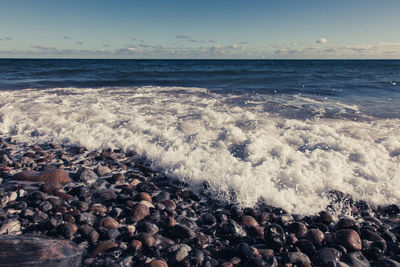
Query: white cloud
x=321 y=41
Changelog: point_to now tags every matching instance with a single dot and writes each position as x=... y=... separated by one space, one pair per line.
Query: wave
x=242 y=146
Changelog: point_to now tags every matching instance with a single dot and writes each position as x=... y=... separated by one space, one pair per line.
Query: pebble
x=10 y=227
x=328 y=255
x=274 y=236
x=298 y=258
x=158 y=263
x=55 y=176
x=248 y=221
x=147 y=239
x=355 y=258
x=315 y=236
x=181 y=232
x=349 y=238
x=108 y=223
x=86 y=176
x=104 y=246
x=140 y=212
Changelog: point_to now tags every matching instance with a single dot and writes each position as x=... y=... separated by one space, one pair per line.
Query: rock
x=135 y=245
x=162 y=196
x=324 y=217
x=39 y=216
x=102 y=171
x=298 y=258
x=45 y=206
x=169 y=204
x=327 y=255
x=305 y=246
x=385 y=262
x=113 y=234
x=158 y=263
x=108 y=223
x=274 y=236
x=143 y=196
x=181 y=232
x=56 y=176
x=27 y=250
x=103 y=247
x=180 y=254
x=147 y=239
x=86 y=218
x=147 y=227
x=50 y=187
x=68 y=230
x=315 y=236
x=10 y=227
x=298 y=228
x=139 y=212
x=369 y=235
x=208 y=219
x=248 y=221
x=118 y=178
x=355 y=259
x=86 y=176
x=349 y=239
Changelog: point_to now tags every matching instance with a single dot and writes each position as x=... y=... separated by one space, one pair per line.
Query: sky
x=206 y=29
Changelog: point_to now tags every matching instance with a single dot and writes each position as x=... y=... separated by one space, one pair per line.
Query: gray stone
x=355 y=259
x=327 y=255
x=86 y=176
x=11 y=227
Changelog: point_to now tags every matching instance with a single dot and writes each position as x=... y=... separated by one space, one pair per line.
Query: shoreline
x=122 y=213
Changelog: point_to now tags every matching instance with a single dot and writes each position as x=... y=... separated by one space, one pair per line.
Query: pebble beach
x=117 y=211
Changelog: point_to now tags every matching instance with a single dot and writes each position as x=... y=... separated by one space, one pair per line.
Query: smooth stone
x=169 y=204
x=369 y=235
x=50 y=187
x=102 y=171
x=147 y=239
x=248 y=221
x=39 y=216
x=324 y=217
x=162 y=196
x=316 y=236
x=146 y=203
x=103 y=247
x=298 y=228
x=385 y=262
x=298 y=258
x=10 y=227
x=108 y=223
x=68 y=230
x=208 y=219
x=147 y=227
x=274 y=236
x=355 y=259
x=233 y=229
x=349 y=238
x=180 y=254
x=181 y=232
x=158 y=263
x=86 y=218
x=136 y=244
x=347 y=223
x=113 y=234
x=86 y=176
x=45 y=206
x=143 y=196
x=306 y=246
x=140 y=212
x=56 y=176
x=327 y=255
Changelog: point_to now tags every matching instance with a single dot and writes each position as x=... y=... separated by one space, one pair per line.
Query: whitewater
x=287 y=152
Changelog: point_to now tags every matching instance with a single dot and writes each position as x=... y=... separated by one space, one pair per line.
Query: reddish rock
x=54 y=176
x=140 y=212
x=169 y=204
x=158 y=263
x=136 y=244
x=50 y=187
x=349 y=238
x=248 y=221
x=108 y=223
x=316 y=236
x=144 y=196
x=103 y=247
x=98 y=208
x=147 y=239
x=62 y=195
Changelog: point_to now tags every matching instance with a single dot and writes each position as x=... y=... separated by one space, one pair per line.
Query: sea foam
x=245 y=152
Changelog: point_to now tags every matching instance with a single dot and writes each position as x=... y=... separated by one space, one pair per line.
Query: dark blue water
x=374 y=84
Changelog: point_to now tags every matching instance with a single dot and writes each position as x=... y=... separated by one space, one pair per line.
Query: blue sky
x=200 y=29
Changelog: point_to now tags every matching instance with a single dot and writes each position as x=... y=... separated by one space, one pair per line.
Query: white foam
x=199 y=136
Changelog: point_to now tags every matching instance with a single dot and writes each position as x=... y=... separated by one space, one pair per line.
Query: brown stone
x=158 y=263
x=98 y=208
x=144 y=196
x=103 y=247
x=349 y=238
x=62 y=195
x=54 y=176
x=50 y=187
x=136 y=244
x=248 y=221
x=139 y=212
x=316 y=236
x=169 y=204
x=147 y=239
x=109 y=223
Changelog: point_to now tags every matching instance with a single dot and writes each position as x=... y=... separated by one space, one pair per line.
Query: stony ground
x=121 y=213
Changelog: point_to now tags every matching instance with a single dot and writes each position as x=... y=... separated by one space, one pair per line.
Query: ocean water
x=280 y=132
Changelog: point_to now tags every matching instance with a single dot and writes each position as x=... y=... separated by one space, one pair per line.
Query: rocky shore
x=119 y=212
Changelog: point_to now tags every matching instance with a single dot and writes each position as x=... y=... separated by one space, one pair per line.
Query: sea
x=280 y=132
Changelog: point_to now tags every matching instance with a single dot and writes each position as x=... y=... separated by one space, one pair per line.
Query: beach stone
x=136 y=244
x=181 y=232
x=68 y=230
x=306 y=246
x=348 y=223
x=56 y=176
x=248 y=221
x=162 y=196
x=315 y=236
x=369 y=235
x=147 y=227
x=86 y=218
x=45 y=206
x=144 y=196
x=356 y=259
x=208 y=219
x=108 y=223
x=298 y=258
x=113 y=234
x=39 y=216
x=118 y=177
x=86 y=176
x=169 y=204
x=298 y=228
x=233 y=229
x=139 y=212
x=327 y=255
x=147 y=239
x=158 y=263
x=10 y=227
x=50 y=187
x=104 y=246
x=35 y=251
x=180 y=254
x=385 y=262
x=274 y=236
x=324 y=217
x=102 y=171
x=349 y=238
